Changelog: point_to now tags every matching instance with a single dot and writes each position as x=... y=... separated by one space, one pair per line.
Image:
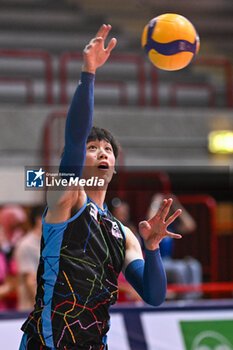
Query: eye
x=108 y=148
x=92 y=147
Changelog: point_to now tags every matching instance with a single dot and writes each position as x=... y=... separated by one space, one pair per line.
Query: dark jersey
x=77 y=280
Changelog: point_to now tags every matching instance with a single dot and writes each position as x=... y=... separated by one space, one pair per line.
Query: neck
x=98 y=196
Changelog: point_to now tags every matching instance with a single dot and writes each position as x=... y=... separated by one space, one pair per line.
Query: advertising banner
x=146 y=328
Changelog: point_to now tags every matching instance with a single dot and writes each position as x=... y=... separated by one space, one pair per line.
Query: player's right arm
x=78 y=126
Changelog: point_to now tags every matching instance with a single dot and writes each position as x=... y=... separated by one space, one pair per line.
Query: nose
x=102 y=154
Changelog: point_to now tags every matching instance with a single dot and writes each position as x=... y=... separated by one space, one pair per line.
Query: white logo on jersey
x=93 y=211
x=115 y=229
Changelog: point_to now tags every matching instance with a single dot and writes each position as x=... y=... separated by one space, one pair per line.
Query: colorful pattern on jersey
x=77 y=280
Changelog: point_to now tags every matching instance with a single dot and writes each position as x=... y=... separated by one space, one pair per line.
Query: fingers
x=92 y=42
x=144 y=225
x=100 y=37
x=111 y=45
x=106 y=31
x=103 y=31
x=166 y=208
x=159 y=212
x=87 y=48
x=173 y=235
x=173 y=217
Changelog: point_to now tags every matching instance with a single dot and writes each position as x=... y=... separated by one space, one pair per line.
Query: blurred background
x=175 y=130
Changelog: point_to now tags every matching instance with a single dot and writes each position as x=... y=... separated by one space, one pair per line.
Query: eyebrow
x=106 y=142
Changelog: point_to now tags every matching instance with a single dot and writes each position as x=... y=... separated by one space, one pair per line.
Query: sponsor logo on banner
x=207 y=335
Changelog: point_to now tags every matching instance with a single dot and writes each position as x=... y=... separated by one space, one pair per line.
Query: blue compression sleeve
x=148 y=277
x=78 y=126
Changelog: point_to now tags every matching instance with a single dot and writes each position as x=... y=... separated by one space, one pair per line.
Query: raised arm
x=78 y=125
x=79 y=119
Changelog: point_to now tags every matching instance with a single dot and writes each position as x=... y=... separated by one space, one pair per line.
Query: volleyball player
x=82 y=254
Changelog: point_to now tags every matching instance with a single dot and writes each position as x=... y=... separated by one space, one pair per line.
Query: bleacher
x=59 y=27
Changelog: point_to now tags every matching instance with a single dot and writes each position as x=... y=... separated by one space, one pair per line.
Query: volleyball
x=170 y=41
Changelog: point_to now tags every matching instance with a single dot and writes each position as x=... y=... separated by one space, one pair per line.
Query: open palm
x=155 y=229
x=95 y=54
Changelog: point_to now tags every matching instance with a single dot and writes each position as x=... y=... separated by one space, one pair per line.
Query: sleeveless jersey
x=77 y=280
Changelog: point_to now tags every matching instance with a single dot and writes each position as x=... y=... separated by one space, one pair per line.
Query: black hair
x=36 y=212
x=103 y=134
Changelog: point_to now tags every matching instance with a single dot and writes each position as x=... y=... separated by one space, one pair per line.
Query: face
x=100 y=161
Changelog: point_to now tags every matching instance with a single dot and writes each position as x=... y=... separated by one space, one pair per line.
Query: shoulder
x=131 y=239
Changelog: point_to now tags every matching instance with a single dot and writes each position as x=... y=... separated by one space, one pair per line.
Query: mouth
x=103 y=166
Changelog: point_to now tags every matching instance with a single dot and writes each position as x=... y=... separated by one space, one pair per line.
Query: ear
x=114 y=172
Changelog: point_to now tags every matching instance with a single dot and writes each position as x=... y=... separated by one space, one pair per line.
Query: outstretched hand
x=95 y=54
x=155 y=229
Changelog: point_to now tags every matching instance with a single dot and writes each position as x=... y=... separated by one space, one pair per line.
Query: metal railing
x=122 y=58
x=32 y=55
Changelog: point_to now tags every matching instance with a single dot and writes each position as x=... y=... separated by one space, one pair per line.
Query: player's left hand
x=155 y=229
